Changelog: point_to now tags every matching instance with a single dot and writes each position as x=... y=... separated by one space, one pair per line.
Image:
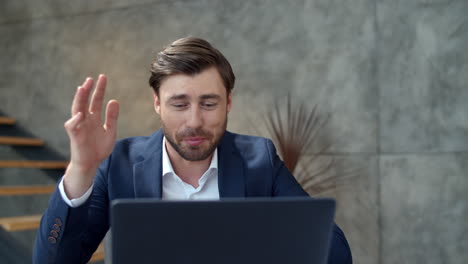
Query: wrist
x=79 y=169
x=77 y=180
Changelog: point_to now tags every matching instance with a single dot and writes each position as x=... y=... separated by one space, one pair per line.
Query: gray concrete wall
x=392 y=75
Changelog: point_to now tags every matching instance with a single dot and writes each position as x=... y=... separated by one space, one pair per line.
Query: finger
x=80 y=101
x=98 y=95
x=74 y=111
x=112 y=113
x=85 y=81
x=71 y=125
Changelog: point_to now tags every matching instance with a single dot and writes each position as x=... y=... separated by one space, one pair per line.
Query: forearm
x=77 y=180
x=75 y=202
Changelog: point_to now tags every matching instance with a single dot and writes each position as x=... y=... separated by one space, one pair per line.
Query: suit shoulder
x=132 y=147
x=252 y=145
x=246 y=139
x=131 y=142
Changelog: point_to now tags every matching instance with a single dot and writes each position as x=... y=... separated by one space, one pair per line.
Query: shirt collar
x=167 y=166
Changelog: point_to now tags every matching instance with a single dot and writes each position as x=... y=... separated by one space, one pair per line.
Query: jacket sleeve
x=71 y=235
x=285 y=184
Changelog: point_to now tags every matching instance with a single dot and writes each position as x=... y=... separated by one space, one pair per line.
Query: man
x=193 y=157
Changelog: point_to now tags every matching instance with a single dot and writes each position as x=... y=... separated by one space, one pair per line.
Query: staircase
x=14 y=225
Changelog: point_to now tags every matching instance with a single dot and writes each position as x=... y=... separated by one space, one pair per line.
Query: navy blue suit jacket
x=247 y=167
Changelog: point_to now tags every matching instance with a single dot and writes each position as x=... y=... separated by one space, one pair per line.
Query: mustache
x=193 y=132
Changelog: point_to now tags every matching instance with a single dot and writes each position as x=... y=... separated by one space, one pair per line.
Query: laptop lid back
x=247 y=231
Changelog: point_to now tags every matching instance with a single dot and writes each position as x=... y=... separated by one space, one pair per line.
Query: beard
x=194 y=153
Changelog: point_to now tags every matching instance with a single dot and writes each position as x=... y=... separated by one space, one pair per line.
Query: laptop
x=232 y=231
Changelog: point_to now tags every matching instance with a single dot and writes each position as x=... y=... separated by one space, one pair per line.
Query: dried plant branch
x=294 y=134
x=295 y=128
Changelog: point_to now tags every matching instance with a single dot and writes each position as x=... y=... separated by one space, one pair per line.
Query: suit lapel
x=147 y=174
x=231 y=178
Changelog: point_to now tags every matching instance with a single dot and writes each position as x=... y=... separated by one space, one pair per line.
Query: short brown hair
x=190 y=56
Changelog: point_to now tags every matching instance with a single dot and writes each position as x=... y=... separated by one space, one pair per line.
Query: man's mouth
x=194 y=141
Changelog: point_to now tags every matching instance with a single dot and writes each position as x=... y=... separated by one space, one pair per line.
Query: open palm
x=91 y=140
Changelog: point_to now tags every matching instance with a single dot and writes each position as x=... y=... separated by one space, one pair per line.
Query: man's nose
x=195 y=119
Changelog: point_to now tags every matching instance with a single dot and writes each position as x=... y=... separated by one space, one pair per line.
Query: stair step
x=98 y=254
x=40 y=164
x=21 y=141
x=6 y=120
x=20 y=223
x=26 y=189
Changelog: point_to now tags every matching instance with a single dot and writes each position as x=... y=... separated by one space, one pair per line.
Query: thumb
x=72 y=124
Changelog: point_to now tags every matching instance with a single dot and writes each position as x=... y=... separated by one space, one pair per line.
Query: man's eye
x=179 y=105
x=209 y=105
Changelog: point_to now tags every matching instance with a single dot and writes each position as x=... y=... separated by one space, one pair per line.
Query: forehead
x=207 y=82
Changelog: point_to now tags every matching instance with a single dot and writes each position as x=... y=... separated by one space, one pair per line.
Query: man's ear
x=229 y=102
x=157 y=104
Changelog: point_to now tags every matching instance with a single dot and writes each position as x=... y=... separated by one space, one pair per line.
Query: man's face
x=193 y=112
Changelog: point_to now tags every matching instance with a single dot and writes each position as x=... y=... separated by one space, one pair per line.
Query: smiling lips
x=194 y=141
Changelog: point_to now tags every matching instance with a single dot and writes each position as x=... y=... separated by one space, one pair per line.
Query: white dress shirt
x=173 y=187
x=176 y=189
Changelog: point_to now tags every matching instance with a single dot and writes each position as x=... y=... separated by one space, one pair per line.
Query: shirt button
x=52 y=240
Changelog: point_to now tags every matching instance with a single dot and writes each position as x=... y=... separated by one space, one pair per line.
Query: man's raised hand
x=91 y=140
